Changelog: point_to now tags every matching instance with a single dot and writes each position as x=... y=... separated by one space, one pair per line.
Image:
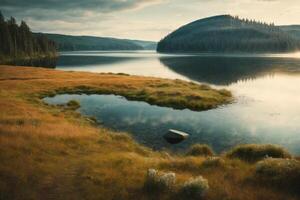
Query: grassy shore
x=48 y=152
x=13 y=60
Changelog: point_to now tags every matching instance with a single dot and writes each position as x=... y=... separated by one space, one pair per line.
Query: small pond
x=246 y=121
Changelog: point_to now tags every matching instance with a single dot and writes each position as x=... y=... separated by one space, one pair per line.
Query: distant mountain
x=147 y=45
x=226 y=33
x=72 y=43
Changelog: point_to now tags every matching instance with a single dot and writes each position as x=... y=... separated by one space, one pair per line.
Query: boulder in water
x=175 y=136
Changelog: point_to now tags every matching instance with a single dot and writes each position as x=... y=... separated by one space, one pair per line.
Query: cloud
x=139 y=19
x=68 y=10
x=63 y=5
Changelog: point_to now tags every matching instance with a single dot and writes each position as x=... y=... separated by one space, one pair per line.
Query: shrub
x=73 y=104
x=255 y=152
x=212 y=162
x=200 y=150
x=158 y=183
x=195 y=188
x=284 y=173
x=225 y=92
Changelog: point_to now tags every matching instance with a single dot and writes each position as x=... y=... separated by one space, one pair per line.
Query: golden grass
x=51 y=153
x=256 y=152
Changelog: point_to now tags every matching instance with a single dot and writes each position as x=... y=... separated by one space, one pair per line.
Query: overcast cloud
x=139 y=19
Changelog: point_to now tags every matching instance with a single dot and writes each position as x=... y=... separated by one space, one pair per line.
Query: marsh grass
x=213 y=162
x=73 y=104
x=158 y=183
x=200 y=150
x=47 y=152
x=282 y=173
x=256 y=152
x=194 y=188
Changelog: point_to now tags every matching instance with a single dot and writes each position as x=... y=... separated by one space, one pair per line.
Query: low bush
x=157 y=182
x=194 y=188
x=255 y=152
x=213 y=162
x=284 y=173
x=200 y=150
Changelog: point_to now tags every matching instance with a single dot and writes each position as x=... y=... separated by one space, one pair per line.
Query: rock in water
x=175 y=137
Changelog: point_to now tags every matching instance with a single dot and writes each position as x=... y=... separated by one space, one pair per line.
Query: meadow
x=52 y=152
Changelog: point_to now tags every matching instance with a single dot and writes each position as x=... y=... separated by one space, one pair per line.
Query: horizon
x=135 y=20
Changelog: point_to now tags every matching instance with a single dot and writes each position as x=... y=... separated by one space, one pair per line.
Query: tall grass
x=157 y=183
x=200 y=150
x=48 y=152
x=194 y=188
x=256 y=152
x=283 y=173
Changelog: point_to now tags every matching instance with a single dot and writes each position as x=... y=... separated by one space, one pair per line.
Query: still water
x=266 y=87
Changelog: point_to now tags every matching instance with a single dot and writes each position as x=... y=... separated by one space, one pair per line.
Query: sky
x=139 y=19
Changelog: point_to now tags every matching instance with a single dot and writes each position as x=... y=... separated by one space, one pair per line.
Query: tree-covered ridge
x=293 y=30
x=73 y=43
x=18 y=42
x=226 y=33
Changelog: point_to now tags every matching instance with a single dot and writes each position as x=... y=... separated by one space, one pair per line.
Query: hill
x=292 y=30
x=71 y=43
x=226 y=33
x=147 y=45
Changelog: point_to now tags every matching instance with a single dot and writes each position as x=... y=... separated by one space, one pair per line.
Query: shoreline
x=176 y=94
x=51 y=152
x=45 y=60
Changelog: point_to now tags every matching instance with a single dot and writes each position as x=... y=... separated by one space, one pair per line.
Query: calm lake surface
x=267 y=88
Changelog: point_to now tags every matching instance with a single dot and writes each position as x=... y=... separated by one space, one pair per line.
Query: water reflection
x=243 y=122
x=266 y=88
x=227 y=70
x=89 y=60
x=37 y=62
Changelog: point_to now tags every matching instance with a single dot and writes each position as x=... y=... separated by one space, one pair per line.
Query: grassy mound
x=73 y=104
x=284 y=173
x=213 y=162
x=255 y=152
x=200 y=150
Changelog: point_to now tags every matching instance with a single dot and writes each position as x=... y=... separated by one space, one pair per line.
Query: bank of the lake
x=39 y=60
x=50 y=152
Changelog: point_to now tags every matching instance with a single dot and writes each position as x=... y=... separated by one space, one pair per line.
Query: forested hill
x=226 y=33
x=17 y=42
x=72 y=43
x=293 y=30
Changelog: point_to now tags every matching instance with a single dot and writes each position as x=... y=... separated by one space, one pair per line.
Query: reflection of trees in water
x=227 y=70
x=38 y=62
x=77 y=60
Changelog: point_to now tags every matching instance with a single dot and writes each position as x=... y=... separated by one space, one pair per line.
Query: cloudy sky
x=139 y=19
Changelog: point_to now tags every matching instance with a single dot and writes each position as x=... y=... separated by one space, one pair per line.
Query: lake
x=266 y=87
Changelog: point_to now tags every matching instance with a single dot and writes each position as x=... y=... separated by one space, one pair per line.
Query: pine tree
x=17 y=42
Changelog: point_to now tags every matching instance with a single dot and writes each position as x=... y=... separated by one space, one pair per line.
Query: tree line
x=18 y=42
